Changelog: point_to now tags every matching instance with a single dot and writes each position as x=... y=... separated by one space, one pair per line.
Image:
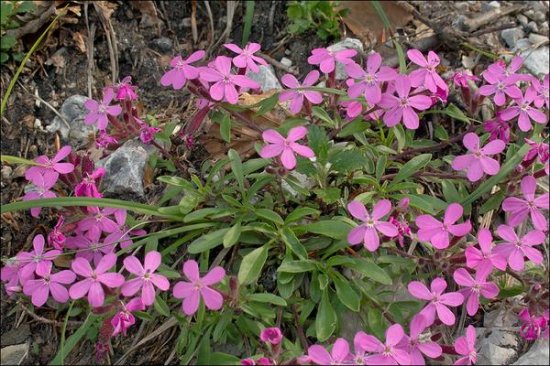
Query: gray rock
x=351 y=323
x=348 y=43
x=14 y=355
x=266 y=78
x=523 y=19
x=15 y=336
x=303 y=180
x=537 y=60
x=124 y=170
x=485 y=6
x=163 y=44
x=500 y=318
x=512 y=35
x=544 y=28
x=538 y=354
x=73 y=111
x=537 y=38
x=286 y=61
x=462 y=6
x=533 y=27
x=498 y=344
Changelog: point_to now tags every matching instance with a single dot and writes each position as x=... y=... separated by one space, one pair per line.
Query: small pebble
x=163 y=44
x=533 y=27
x=6 y=172
x=537 y=38
x=286 y=61
x=523 y=20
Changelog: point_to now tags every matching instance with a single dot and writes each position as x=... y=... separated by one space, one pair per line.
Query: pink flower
x=461 y=79
x=191 y=292
x=500 y=86
x=338 y=355
x=543 y=93
x=271 y=335
x=98 y=220
x=51 y=168
x=498 y=128
x=477 y=161
x=246 y=58
x=437 y=232
x=87 y=187
x=500 y=69
x=146 y=278
x=327 y=59
x=466 y=346
x=286 y=147
x=438 y=301
x=94 y=280
x=224 y=87
x=147 y=133
x=182 y=70
x=514 y=248
x=104 y=140
x=125 y=90
x=98 y=111
x=370 y=79
x=475 y=287
x=519 y=209
x=248 y=362
x=37 y=259
x=40 y=289
x=416 y=345
x=124 y=319
x=531 y=326
x=296 y=97
x=10 y=274
x=367 y=232
x=426 y=75
x=388 y=353
x=89 y=246
x=485 y=257
x=400 y=108
x=525 y=111
x=402 y=229
x=540 y=149
x=44 y=182
x=352 y=108
x=56 y=238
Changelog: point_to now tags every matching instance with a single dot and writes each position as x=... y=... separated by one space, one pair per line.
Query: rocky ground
x=74 y=63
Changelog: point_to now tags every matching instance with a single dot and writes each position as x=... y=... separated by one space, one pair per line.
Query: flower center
x=180 y=64
x=387 y=351
x=370 y=79
x=404 y=102
x=525 y=107
x=500 y=86
x=369 y=222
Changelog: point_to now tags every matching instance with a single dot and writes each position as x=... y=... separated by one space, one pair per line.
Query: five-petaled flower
x=43 y=183
x=515 y=248
x=146 y=279
x=368 y=81
x=40 y=289
x=246 y=58
x=124 y=319
x=286 y=147
x=337 y=356
x=438 y=301
x=367 y=232
x=475 y=287
x=98 y=111
x=296 y=97
x=522 y=107
x=388 y=353
x=327 y=59
x=477 y=161
x=182 y=70
x=198 y=287
x=426 y=75
x=486 y=257
x=518 y=209
x=37 y=259
x=416 y=345
x=437 y=232
x=466 y=346
x=51 y=168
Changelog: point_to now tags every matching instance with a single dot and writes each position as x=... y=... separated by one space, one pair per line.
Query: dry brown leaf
x=57 y=59
x=80 y=41
x=105 y=8
x=149 y=17
x=363 y=20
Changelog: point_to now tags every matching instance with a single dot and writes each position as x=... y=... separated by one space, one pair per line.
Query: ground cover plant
x=353 y=206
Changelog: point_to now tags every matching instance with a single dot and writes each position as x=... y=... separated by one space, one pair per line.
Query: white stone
x=538 y=354
x=286 y=61
x=512 y=35
x=14 y=355
x=266 y=78
x=348 y=43
x=537 y=60
x=73 y=111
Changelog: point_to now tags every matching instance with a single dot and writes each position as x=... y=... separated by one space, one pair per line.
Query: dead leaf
x=57 y=59
x=80 y=41
x=105 y=9
x=149 y=17
x=363 y=20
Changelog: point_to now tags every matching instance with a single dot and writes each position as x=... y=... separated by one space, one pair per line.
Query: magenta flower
x=498 y=128
x=475 y=287
x=56 y=238
x=337 y=356
x=352 y=108
x=94 y=280
x=51 y=168
x=438 y=301
x=98 y=220
x=485 y=257
x=103 y=140
x=37 y=259
x=182 y=70
x=98 y=111
x=224 y=87
x=477 y=161
x=271 y=335
x=246 y=58
x=500 y=86
x=525 y=111
x=402 y=107
x=388 y=353
x=89 y=246
x=125 y=90
x=191 y=292
x=426 y=75
x=519 y=209
x=40 y=289
x=532 y=326
x=418 y=346
x=540 y=149
x=296 y=97
x=124 y=319
x=367 y=232
x=514 y=248
x=543 y=94
x=500 y=69
x=44 y=182
x=147 y=133
x=403 y=229
x=10 y=274
x=146 y=278
x=369 y=80
x=437 y=232
x=88 y=186
x=286 y=147
x=327 y=59
x=461 y=79
x=466 y=346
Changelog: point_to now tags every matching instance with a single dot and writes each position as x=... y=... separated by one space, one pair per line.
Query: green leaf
x=16 y=160
x=318 y=142
x=326 y=320
x=454 y=112
x=297 y=266
x=400 y=57
x=225 y=128
x=7 y=42
x=208 y=241
x=412 y=166
x=203 y=213
x=381 y=166
x=299 y=213
x=168 y=272
x=492 y=203
x=248 y=18
x=267 y=104
x=346 y=294
x=329 y=195
x=356 y=126
x=220 y=358
x=293 y=243
x=449 y=191
x=334 y=229
x=232 y=235
x=237 y=168
x=399 y=133
x=269 y=215
x=6 y=12
x=348 y=160
x=252 y=264
x=370 y=269
x=428 y=204
x=322 y=115
x=268 y=298
x=3 y=57
x=161 y=307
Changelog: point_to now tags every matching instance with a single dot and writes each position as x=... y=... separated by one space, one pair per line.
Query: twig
x=472 y=24
x=494 y=29
x=89 y=50
x=36 y=96
x=47 y=321
x=277 y=64
x=299 y=328
x=34 y=25
x=211 y=22
x=194 y=32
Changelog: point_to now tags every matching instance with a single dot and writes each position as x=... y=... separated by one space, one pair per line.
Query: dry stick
x=34 y=25
x=89 y=51
x=211 y=22
x=47 y=321
x=472 y=24
x=194 y=32
x=36 y=96
x=299 y=328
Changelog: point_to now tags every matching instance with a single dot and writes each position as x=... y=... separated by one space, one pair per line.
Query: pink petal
x=296 y=133
x=288 y=159
x=340 y=350
x=357 y=235
x=402 y=86
x=475 y=171
x=160 y=281
x=62 y=154
x=319 y=355
x=40 y=295
x=96 y=295
x=59 y=293
x=147 y=293
x=471 y=141
x=394 y=334
x=401 y=356
x=417 y=77
x=152 y=261
x=452 y=299
x=217 y=91
x=494 y=147
x=419 y=290
x=462 y=162
x=133 y=265
x=195 y=56
x=393 y=116
x=327 y=65
x=543 y=201
x=111 y=279
x=453 y=212
x=507 y=233
x=410 y=118
x=417 y=57
x=65 y=277
x=430 y=349
x=421 y=102
x=490 y=166
x=234 y=48
x=440 y=240
x=273 y=137
x=373 y=62
x=438 y=285
x=106 y=263
x=460 y=229
x=81 y=267
x=191 y=270
x=271 y=150
x=380 y=359
x=512 y=204
x=290 y=81
x=489 y=290
x=444 y=314
x=296 y=104
x=191 y=303
x=212 y=299
x=231 y=94
x=183 y=289
x=81 y=288
x=534 y=255
x=387 y=228
x=463 y=278
x=311 y=78
x=428 y=222
x=381 y=209
x=129 y=288
x=539 y=221
x=302 y=150
x=516 y=261
x=215 y=275
x=472 y=304
x=372 y=241
x=370 y=343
